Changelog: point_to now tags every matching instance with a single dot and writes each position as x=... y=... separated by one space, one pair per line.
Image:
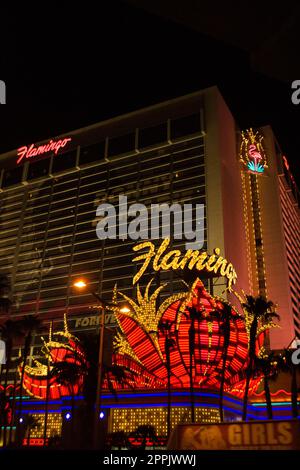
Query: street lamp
x=81 y=284
x=124 y=309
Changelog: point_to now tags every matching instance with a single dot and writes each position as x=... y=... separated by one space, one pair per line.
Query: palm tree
x=47 y=394
x=68 y=374
x=267 y=365
x=4 y=409
x=169 y=344
x=114 y=374
x=28 y=325
x=15 y=364
x=195 y=314
x=10 y=331
x=30 y=423
x=226 y=317
x=257 y=311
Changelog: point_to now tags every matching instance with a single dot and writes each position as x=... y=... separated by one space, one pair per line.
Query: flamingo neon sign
x=252 y=152
x=32 y=151
x=256 y=157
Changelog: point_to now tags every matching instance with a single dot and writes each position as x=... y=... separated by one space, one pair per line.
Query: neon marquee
x=32 y=151
x=191 y=259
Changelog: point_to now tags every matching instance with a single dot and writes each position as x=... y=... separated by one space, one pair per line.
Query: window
x=64 y=161
x=92 y=153
x=38 y=169
x=185 y=126
x=13 y=176
x=153 y=135
x=122 y=144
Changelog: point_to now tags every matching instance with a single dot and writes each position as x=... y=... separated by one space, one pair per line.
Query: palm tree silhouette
x=226 y=318
x=257 y=310
x=68 y=373
x=28 y=325
x=10 y=331
x=31 y=422
x=169 y=344
x=267 y=365
x=195 y=314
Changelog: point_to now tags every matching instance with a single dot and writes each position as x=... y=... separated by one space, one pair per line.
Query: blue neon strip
x=156 y=405
x=26 y=412
x=42 y=402
x=143 y=395
x=279 y=403
x=278 y=408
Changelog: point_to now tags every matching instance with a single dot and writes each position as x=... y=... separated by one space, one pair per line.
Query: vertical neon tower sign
x=252 y=152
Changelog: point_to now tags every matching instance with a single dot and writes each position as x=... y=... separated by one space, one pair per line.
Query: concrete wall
x=277 y=276
x=224 y=187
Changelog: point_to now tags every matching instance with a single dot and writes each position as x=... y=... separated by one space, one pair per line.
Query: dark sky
x=69 y=66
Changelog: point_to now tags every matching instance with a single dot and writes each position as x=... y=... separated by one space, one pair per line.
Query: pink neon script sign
x=32 y=151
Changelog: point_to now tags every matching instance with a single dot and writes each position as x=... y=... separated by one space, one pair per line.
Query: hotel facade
x=187 y=150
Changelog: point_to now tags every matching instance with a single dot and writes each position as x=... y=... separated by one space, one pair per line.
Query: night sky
x=66 y=67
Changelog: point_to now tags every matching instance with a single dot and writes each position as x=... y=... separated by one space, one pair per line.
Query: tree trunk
x=169 y=390
x=268 y=397
x=245 y=401
x=47 y=401
x=72 y=409
x=222 y=385
x=13 y=406
x=7 y=368
x=28 y=436
x=192 y=348
x=25 y=356
x=252 y=343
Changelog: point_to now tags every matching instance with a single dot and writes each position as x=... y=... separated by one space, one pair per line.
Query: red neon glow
x=35 y=441
x=149 y=370
x=66 y=348
x=274 y=394
x=32 y=151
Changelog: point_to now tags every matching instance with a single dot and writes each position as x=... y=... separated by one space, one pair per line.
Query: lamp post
x=81 y=284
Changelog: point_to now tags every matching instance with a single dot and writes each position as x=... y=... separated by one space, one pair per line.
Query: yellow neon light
x=191 y=259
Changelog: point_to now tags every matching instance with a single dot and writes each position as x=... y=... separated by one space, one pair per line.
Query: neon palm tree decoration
x=252 y=152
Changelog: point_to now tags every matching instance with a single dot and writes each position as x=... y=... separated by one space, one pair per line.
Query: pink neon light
x=253 y=153
x=286 y=164
x=32 y=151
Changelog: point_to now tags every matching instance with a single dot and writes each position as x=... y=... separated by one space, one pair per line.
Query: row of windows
x=48 y=227
x=90 y=181
x=129 y=143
